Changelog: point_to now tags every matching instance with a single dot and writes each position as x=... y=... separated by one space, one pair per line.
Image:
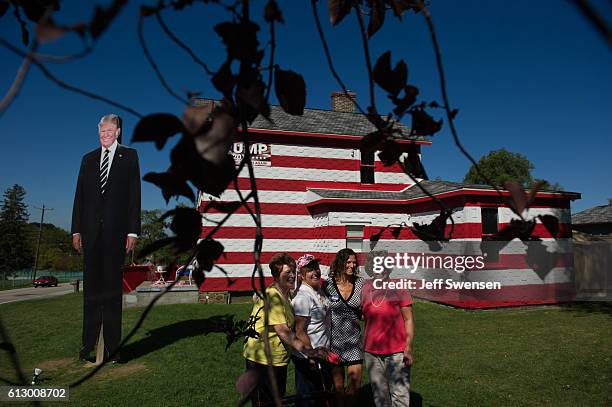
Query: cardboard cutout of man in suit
x=105 y=225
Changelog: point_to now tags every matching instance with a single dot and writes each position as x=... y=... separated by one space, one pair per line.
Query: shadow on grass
x=591 y=307
x=164 y=336
x=366 y=399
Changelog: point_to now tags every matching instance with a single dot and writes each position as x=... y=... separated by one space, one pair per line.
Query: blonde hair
x=109 y=118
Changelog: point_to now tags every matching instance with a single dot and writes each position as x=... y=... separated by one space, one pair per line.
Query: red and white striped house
x=318 y=195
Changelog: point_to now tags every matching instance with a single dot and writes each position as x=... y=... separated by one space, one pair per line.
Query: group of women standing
x=319 y=329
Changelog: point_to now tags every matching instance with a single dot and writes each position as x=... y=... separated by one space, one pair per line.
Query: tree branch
x=328 y=54
x=11 y=94
x=595 y=18
x=65 y=85
x=163 y=82
x=182 y=45
x=366 y=50
x=447 y=109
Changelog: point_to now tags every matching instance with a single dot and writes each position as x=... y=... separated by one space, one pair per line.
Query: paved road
x=30 y=293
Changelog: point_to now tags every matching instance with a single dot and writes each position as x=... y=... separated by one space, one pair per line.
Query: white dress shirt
x=111 y=155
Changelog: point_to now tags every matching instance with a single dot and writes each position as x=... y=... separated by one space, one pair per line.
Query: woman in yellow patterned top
x=281 y=336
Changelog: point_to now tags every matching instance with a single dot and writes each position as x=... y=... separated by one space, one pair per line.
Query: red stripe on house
x=271 y=209
x=274 y=184
x=460 y=231
x=328 y=163
x=248 y=232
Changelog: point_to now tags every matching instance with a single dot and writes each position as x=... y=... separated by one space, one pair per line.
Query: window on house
x=367 y=168
x=489 y=221
x=354 y=237
x=490 y=226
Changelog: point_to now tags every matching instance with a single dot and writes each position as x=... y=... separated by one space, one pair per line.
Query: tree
x=15 y=249
x=55 y=250
x=502 y=165
x=153 y=229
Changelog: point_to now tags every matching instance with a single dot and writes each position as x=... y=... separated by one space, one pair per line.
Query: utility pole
x=42 y=218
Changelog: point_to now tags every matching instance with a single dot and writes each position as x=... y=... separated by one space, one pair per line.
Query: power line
x=42 y=218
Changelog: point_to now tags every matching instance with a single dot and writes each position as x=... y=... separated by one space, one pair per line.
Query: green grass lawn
x=560 y=356
x=11 y=284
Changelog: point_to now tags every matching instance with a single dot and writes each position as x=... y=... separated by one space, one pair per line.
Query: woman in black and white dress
x=343 y=290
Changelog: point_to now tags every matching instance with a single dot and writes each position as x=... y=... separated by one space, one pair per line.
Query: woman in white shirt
x=312 y=325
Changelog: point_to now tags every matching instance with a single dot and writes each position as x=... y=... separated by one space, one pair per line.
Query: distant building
x=319 y=194
x=594 y=221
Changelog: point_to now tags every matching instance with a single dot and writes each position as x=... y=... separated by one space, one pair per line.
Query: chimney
x=343 y=102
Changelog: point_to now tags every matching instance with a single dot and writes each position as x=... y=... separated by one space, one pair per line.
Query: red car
x=45 y=281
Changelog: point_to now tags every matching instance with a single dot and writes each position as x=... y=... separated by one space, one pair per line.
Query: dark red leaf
x=3 y=7
x=224 y=81
x=208 y=252
x=390 y=153
x=435 y=231
x=47 y=31
x=171 y=185
x=251 y=100
x=400 y=6
x=412 y=163
x=186 y=225
x=377 y=17
x=375 y=238
x=338 y=9
x=517 y=229
x=203 y=174
x=214 y=141
x=402 y=104
x=290 y=91
x=196 y=118
x=273 y=13
x=551 y=223
x=534 y=191
x=104 y=16
x=35 y=9
x=518 y=201
x=396 y=232
x=391 y=80
x=370 y=142
x=157 y=127
x=240 y=40
x=423 y=124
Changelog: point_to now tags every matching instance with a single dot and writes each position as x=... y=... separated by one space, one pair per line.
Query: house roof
x=598 y=214
x=413 y=192
x=434 y=187
x=324 y=122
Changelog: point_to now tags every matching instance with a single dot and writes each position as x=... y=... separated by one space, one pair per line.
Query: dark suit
x=104 y=222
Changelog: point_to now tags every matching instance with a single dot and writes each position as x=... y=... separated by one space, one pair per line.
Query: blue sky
x=533 y=77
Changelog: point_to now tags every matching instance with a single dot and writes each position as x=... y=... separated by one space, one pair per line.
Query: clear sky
x=531 y=76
